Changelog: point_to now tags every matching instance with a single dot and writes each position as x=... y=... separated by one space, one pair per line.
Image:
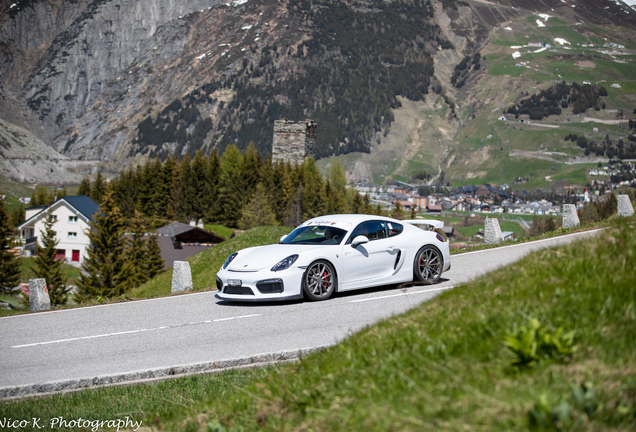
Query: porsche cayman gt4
x=336 y=253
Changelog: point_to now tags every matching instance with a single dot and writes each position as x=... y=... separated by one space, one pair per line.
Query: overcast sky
x=630 y=2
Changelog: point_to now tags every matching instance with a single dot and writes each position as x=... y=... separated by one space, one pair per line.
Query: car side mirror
x=359 y=240
x=282 y=237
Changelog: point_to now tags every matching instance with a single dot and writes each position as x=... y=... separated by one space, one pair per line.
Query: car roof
x=352 y=219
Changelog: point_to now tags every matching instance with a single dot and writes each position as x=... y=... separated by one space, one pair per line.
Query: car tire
x=428 y=265
x=319 y=281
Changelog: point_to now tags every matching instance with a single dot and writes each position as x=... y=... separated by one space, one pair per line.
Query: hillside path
x=609 y=122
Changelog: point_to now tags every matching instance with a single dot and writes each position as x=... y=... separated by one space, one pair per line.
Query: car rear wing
x=426 y=224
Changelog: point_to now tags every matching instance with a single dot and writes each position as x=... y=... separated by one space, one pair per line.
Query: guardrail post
x=625 y=207
x=492 y=231
x=570 y=218
x=39 y=299
x=181 y=277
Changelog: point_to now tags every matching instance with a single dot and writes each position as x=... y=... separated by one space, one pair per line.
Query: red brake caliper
x=324 y=280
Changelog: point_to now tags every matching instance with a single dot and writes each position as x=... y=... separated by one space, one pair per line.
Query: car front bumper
x=262 y=285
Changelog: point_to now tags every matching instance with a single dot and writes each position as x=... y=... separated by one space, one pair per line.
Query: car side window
x=373 y=230
x=394 y=229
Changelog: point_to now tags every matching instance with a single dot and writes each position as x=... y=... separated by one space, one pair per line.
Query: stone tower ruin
x=293 y=142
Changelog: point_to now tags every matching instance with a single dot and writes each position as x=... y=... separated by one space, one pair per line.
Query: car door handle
x=392 y=249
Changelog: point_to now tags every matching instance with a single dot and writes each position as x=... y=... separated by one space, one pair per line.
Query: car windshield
x=317 y=234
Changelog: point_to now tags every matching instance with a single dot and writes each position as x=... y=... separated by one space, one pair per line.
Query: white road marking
x=404 y=294
x=123 y=303
x=133 y=331
x=239 y=317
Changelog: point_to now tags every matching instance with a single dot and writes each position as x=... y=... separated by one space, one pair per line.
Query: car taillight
x=440 y=238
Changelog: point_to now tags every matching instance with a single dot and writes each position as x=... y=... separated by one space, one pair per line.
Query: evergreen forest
x=239 y=190
x=560 y=96
x=346 y=76
x=609 y=148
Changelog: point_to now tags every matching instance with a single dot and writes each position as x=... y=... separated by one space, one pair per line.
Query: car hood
x=265 y=257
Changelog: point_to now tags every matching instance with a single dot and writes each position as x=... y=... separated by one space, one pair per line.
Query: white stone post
x=570 y=218
x=181 y=277
x=625 y=207
x=492 y=231
x=38 y=295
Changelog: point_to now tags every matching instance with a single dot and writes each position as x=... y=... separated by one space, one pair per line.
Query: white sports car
x=336 y=253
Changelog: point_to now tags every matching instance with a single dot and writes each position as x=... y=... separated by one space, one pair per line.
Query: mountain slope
x=118 y=80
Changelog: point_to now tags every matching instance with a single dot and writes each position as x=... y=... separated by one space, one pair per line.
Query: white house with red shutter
x=72 y=215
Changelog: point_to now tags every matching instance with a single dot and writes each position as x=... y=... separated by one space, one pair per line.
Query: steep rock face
x=72 y=50
x=26 y=158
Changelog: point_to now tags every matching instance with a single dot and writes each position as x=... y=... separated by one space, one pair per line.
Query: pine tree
x=47 y=267
x=176 y=202
x=282 y=187
x=267 y=174
x=136 y=252
x=125 y=192
x=158 y=198
x=314 y=197
x=164 y=187
x=231 y=187
x=378 y=210
x=251 y=171
x=41 y=197
x=550 y=225
x=9 y=263
x=197 y=186
x=147 y=188
x=18 y=216
x=85 y=187
x=186 y=189
x=106 y=271
x=98 y=188
x=357 y=204
x=212 y=186
x=336 y=202
x=397 y=212
x=366 y=205
x=413 y=211
x=258 y=211
x=154 y=262
x=537 y=227
x=294 y=211
x=337 y=177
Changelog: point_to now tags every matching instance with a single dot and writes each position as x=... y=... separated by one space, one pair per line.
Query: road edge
x=152 y=375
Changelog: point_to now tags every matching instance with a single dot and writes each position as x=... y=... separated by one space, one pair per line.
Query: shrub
x=533 y=342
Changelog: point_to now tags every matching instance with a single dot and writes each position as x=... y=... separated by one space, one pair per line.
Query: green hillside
x=483 y=149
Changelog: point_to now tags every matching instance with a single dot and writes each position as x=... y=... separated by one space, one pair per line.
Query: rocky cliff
x=63 y=60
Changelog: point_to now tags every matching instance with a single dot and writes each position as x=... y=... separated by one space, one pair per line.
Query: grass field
x=135 y=401
x=470 y=231
x=220 y=230
x=13 y=190
x=545 y=344
x=72 y=273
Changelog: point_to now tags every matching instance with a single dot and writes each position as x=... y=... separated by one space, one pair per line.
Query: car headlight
x=229 y=260
x=286 y=263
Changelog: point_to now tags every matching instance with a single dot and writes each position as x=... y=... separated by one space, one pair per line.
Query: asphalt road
x=196 y=328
